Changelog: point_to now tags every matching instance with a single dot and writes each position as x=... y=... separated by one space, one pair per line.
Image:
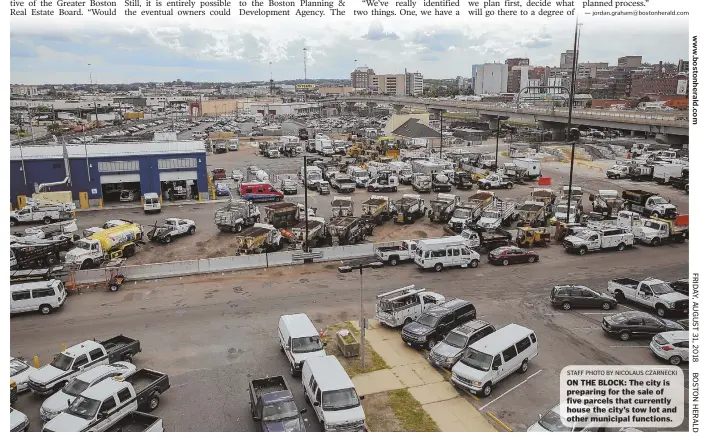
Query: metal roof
x=42 y=152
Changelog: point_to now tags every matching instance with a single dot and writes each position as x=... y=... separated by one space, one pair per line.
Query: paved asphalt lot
x=212 y=334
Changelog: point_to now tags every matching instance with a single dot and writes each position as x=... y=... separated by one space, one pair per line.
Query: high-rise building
x=589 y=69
x=629 y=61
x=512 y=62
x=683 y=66
x=473 y=73
x=491 y=79
x=360 y=78
x=414 y=83
x=567 y=59
x=393 y=85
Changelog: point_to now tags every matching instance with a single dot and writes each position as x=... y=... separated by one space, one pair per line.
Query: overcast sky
x=222 y=51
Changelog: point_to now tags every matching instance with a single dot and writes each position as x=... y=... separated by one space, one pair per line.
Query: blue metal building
x=97 y=170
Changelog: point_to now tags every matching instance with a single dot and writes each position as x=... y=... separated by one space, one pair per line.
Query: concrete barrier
x=347 y=252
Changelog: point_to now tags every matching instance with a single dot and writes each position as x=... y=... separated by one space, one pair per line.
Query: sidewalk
x=409 y=369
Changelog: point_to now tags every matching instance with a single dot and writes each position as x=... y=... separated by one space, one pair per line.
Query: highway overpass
x=659 y=124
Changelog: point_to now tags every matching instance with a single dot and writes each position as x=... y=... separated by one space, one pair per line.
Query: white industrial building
x=286 y=109
x=491 y=79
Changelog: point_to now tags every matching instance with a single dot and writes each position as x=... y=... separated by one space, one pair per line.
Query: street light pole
x=441 y=132
x=307 y=224
x=570 y=118
x=362 y=320
x=497 y=141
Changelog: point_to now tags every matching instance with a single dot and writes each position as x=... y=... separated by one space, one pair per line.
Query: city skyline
x=122 y=54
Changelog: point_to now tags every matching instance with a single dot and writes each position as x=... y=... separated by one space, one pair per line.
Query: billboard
x=682 y=87
x=305 y=86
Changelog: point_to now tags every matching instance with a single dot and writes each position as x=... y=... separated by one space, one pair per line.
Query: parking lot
x=212 y=334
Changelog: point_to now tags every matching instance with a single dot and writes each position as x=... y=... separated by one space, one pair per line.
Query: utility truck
x=399 y=307
x=441 y=208
x=409 y=208
x=385 y=182
x=496 y=181
x=51 y=230
x=395 y=254
x=531 y=165
x=172 y=227
x=236 y=215
x=650 y=292
x=42 y=211
x=117 y=242
x=648 y=204
x=619 y=171
x=499 y=213
x=597 y=239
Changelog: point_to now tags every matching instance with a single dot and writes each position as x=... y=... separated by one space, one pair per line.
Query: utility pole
x=570 y=117
x=304 y=182
x=441 y=132
x=90 y=72
x=270 y=67
x=497 y=141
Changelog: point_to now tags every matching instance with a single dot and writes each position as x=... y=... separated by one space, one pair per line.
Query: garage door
x=114 y=179
x=178 y=175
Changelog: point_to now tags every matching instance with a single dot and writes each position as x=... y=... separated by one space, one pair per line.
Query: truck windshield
x=62 y=362
x=83 y=244
x=340 y=399
x=652 y=225
x=360 y=174
x=477 y=360
x=461 y=213
x=659 y=201
x=661 y=288
x=428 y=320
x=280 y=411
x=491 y=215
x=84 y=407
x=307 y=344
x=76 y=387
x=456 y=340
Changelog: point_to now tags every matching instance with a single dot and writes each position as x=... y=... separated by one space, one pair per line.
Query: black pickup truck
x=273 y=406
x=121 y=347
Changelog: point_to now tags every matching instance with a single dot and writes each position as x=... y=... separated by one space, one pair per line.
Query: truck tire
x=394 y=189
x=431 y=344
x=45 y=309
x=167 y=239
x=52 y=259
x=237 y=228
x=13 y=222
x=154 y=401
x=621 y=247
x=407 y=321
x=127 y=357
x=619 y=296
x=487 y=389
x=510 y=185
x=438 y=267
x=129 y=251
x=582 y=250
x=473 y=263
x=661 y=311
x=681 y=238
x=654 y=215
x=656 y=241
x=47 y=220
x=393 y=261
x=191 y=230
x=486 y=186
x=87 y=264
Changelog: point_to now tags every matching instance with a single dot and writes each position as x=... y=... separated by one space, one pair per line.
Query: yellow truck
x=112 y=243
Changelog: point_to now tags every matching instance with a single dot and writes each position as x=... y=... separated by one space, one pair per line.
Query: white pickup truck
x=396 y=254
x=43 y=213
x=173 y=227
x=103 y=405
x=402 y=306
x=651 y=292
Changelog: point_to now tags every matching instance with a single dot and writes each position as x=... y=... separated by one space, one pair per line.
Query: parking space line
x=626 y=307
x=628 y=346
x=510 y=390
x=498 y=421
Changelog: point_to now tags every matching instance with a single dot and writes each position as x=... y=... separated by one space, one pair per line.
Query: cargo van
x=44 y=296
x=260 y=192
x=443 y=252
x=333 y=395
x=299 y=340
x=493 y=358
x=152 y=203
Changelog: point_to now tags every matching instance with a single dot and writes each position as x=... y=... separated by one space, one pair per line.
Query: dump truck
x=648 y=204
x=531 y=213
x=273 y=406
x=441 y=208
x=468 y=211
x=480 y=239
x=544 y=195
x=377 y=209
x=236 y=215
x=312 y=228
x=409 y=208
x=463 y=180
x=282 y=214
x=498 y=214
x=342 y=206
x=655 y=232
x=607 y=202
x=117 y=242
x=347 y=230
x=258 y=239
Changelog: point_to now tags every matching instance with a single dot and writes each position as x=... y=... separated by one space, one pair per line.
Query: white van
x=44 y=296
x=333 y=396
x=152 y=203
x=299 y=340
x=443 y=252
x=495 y=357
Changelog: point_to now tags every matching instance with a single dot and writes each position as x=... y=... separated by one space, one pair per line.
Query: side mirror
x=541 y=416
x=363 y=397
x=303 y=411
x=287 y=348
x=315 y=403
x=495 y=367
x=324 y=344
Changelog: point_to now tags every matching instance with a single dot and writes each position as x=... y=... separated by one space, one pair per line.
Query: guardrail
x=233 y=263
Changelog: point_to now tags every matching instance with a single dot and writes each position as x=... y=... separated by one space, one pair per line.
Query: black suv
x=436 y=322
x=682 y=286
x=570 y=295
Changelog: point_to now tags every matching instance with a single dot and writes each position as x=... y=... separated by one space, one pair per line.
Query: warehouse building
x=98 y=172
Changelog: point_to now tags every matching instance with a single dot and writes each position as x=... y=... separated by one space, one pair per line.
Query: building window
x=118 y=166
x=177 y=163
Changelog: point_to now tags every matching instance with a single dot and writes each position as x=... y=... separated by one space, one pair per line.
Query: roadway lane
x=213 y=333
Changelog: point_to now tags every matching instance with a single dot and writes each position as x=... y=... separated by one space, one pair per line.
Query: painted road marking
x=510 y=390
x=498 y=421
x=628 y=346
x=597 y=313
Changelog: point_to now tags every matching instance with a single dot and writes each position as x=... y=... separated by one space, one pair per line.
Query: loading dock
x=113 y=184
x=178 y=185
